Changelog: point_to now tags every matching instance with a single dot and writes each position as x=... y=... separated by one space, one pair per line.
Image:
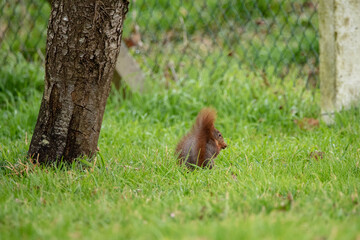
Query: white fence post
x=339 y=23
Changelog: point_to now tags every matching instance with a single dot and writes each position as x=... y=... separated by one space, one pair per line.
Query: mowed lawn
x=283 y=175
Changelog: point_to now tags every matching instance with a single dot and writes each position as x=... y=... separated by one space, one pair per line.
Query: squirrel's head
x=219 y=139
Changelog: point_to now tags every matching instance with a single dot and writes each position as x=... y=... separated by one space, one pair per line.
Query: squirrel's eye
x=219 y=134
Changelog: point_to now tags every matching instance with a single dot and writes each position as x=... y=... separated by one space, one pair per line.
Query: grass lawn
x=276 y=180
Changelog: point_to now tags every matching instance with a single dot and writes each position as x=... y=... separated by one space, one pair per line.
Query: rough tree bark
x=83 y=42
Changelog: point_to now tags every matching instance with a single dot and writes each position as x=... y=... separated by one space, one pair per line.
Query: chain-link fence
x=178 y=39
x=23 y=29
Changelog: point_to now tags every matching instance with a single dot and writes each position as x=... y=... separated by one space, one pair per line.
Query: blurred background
x=176 y=40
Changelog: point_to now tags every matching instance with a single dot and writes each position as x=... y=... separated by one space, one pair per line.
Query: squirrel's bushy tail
x=205 y=123
x=203 y=130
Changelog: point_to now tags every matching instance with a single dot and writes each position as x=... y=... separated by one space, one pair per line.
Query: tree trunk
x=83 y=42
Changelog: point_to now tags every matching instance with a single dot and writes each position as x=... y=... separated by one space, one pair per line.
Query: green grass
x=265 y=185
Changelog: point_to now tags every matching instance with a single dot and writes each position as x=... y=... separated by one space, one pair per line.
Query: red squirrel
x=203 y=143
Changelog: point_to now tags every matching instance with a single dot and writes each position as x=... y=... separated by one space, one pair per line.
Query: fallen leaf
x=307 y=123
x=234 y=176
x=317 y=155
x=259 y=22
x=43 y=201
x=134 y=39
